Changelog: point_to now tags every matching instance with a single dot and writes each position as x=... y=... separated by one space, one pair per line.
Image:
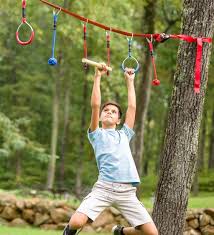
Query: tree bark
x=80 y=157
x=200 y=161
x=179 y=157
x=64 y=137
x=52 y=161
x=211 y=152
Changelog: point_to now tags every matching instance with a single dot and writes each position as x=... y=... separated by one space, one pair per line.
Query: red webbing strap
x=108 y=50
x=198 y=65
x=85 y=45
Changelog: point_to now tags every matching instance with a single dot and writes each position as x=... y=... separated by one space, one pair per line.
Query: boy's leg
x=136 y=214
x=92 y=205
x=145 y=229
x=77 y=221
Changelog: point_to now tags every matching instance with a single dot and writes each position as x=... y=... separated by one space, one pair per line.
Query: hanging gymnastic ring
x=130 y=57
x=31 y=36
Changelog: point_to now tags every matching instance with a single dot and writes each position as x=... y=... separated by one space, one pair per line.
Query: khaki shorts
x=123 y=196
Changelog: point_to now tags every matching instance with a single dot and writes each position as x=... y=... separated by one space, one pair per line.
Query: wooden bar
x=93 y=63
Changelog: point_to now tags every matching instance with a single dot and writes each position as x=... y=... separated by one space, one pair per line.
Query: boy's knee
x=78 y=220
x=153 y=231
x=148 y=229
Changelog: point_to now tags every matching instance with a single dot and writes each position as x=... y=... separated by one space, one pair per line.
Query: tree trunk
x=211 y=153
x=200 y=161
x=179 y=156
x=80 y=157
x=143 y=93
x=64 y=137
x=18 y=167
x=65 y=125
x=52 y=161
x=201 y=148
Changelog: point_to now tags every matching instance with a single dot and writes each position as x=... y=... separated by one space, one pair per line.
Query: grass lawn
x=26 y=231
x=203 y=200
x=33 y=231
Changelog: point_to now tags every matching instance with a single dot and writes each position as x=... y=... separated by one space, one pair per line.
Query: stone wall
x=48 y=214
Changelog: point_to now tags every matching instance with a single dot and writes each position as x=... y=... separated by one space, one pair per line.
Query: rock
x=192 y=232
x=18 y=222
x=187 y=227
x=9 y=213
x=208 y=230
x=3 y=221
x=1 y=208
x=49 y=226
x=28 y=215
x=60 y=204
x=204 y=220
x=59 y=215
x=124 y=222
x=108 y=228
x=88 y=229
x=44 y=206
x=7 y=199
x=31 y=203
x=99 y=229
x=114 y=211
x=210 y=212
x=61 y=226
x=41 y=219
x=103 y=219
x=190 y=215
x=20 y=204
x=193 y=223
x=118 y=218
x=212 y=221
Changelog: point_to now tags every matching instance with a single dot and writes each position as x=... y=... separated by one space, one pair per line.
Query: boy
x=118 y=176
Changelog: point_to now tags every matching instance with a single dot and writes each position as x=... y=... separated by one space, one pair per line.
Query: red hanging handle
x=155 y=81
x=108 y=50
x=24 y=21
x=85 y=45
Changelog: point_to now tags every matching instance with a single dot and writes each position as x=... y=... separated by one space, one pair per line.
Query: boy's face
x=110 y=115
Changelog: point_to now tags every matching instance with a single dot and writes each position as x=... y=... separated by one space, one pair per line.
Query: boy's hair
x=115 y=104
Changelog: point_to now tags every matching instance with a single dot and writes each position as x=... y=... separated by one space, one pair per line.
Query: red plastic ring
x=31 y=36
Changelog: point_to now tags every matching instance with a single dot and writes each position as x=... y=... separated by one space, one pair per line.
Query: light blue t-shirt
x=113 y=155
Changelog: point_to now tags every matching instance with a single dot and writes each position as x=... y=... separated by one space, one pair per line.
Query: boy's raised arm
x=96 y=98
x=131 y=110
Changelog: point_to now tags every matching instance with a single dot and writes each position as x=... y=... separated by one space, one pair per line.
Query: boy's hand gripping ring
x=132 y=58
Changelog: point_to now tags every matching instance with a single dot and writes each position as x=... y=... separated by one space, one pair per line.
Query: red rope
x=108 y=50
x=107 y=28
